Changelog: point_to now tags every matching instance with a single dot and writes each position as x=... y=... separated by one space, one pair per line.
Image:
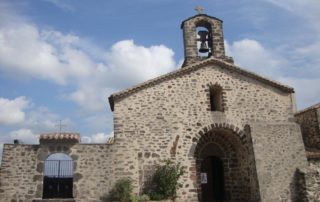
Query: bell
x=203 y=38
x=203 y=35
x=203 y=48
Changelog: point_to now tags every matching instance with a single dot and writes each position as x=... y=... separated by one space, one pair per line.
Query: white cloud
x=12 y=111
x=91 y=97
x=24 y=53
x=99 y=121
x=67 y=59
x=133 y=63
x=21 y=112
x=41 y=119
x=309 y=9
x=61 y=4
x=124 y=65
x=32 y=120
x=307 y=90
x=25 y=136
x=302 y=52
x=97 y=138
x=253 y=56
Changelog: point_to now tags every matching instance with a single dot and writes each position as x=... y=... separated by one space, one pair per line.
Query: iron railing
x=58 y=168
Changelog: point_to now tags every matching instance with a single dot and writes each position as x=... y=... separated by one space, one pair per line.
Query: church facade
x=236 y=133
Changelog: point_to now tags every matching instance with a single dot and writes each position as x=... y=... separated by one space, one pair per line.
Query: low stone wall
x=313 y=180
x=21 y=177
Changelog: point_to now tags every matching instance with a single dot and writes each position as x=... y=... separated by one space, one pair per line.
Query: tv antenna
x=61 y=125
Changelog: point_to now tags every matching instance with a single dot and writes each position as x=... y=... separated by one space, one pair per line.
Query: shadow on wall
x=299 y=187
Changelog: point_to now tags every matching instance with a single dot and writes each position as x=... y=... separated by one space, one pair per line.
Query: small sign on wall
x=204 y=178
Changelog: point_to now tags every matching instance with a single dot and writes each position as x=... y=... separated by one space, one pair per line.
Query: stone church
x=237 y=133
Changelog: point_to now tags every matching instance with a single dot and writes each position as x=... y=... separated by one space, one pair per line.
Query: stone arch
x=231 y=145
x=203 y=23
x=58 y=176
x=45 y=151
x=241 y=135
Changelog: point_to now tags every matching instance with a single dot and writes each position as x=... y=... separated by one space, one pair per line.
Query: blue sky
x=61 y=59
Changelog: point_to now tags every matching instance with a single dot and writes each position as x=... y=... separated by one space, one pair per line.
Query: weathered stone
x=253 y=137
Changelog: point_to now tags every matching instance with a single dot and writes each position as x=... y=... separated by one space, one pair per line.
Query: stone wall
x=21 y=177
x=312 y=186
x=166 y=117
x=309 y=120
x=18 y=172
x=279 y=153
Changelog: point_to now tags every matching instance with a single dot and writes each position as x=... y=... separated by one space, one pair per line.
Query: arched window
x=204 y=39
x=216 y=98
x=58 y=176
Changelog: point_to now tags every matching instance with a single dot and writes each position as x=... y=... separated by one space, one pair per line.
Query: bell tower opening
x=203 y=38
x=204 y=41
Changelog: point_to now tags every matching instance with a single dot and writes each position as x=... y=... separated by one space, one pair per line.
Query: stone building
x=309 y=120
x=233 y=130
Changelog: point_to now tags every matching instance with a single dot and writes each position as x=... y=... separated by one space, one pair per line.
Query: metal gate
x=58 y=179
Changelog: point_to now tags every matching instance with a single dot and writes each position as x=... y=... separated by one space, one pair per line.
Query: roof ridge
x=308 y=108
x=200 y=14
x=194 y=67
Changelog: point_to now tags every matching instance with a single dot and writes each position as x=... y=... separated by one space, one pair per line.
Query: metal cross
x=60 y=125
x=199 y=9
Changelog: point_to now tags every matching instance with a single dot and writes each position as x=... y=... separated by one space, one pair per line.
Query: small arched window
x=216 y=98
x=58 y=176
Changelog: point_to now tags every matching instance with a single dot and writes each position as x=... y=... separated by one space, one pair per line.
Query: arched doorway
x=224 y=167
x=58 y=176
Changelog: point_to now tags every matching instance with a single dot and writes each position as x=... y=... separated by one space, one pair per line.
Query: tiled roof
x=313 y=154
x=60 y=136
x=194 y=67
x=316 y=106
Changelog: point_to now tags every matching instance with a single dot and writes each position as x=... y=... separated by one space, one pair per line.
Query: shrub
x=164 y=182
x=121 y=192
x=142 y=198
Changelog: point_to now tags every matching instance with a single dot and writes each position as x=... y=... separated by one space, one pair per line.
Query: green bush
x=121 y=192
x=156 y=196
x=164 y=182
x=142 y=198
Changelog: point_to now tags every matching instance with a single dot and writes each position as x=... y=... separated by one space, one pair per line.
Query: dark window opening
x=216 y=98
x=58 y=177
